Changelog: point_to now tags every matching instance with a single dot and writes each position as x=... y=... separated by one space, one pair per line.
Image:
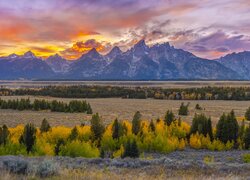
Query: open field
x=162 y=84
x=112 y=108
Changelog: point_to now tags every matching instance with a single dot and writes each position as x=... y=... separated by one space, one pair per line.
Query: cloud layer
x=207 y=28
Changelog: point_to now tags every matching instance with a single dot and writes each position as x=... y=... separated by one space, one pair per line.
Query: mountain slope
x=239 y=62
x=27 y=67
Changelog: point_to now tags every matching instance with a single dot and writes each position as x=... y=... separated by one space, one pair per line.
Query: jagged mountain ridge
x=141 y=62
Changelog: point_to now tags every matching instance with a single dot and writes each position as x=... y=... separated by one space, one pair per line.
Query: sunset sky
x=207 y=28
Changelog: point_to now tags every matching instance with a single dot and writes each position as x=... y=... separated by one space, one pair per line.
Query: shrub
x=246 y=158
x=16 y=165
x=198 y=107
x=47 y=168
x=79 y=149
x=13 y=149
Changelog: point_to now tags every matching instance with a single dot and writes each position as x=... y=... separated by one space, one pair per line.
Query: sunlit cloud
x=206 y=28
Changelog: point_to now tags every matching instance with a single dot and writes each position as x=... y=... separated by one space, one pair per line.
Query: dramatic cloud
x=207 y=28
x=80 y=48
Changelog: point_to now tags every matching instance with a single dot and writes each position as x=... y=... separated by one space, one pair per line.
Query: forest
x=54 y=106
x=203 y=93
x=123 y=138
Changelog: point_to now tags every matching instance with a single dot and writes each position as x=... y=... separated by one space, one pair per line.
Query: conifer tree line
x=54 y=106
x=203 y=93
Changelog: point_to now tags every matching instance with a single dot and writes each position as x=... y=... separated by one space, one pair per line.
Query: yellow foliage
x=181 y=144
x=195 y=141
x=119 y=152
x=15 y=133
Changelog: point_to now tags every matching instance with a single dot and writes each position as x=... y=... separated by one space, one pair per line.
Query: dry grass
x=152 y=173
x=112 y=108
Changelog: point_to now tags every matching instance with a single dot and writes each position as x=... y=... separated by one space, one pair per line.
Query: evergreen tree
x=183 y=110
x=45 y=127
x=152 y=126
x=247 y=138
x=136 y=123
x=131 y=149
x=74 y=134
x=227 y=128
x=242 y=129
x=59 y=143
x=117 y=130
x=97 y=128
x=169 y=117
x=247 y=114
x=202 y=125
x=28 y=137
x=4 y=133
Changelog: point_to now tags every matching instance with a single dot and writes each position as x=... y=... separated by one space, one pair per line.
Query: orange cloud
x=80 y=48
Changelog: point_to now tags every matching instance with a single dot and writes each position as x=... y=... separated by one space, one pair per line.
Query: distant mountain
x=27 y=66
x=239 y=62
x=141 y=62
x=58 y=64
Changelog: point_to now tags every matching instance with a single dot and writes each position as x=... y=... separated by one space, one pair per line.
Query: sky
x=207 y=28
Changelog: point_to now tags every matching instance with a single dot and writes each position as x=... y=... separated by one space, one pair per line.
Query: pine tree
x=136 y=123
x=97 y=128
x=227 y=128
x=28 y=137
x=152 y=126
x=45 y=127
x=117 y=130
x=247 y=114
x=202 y=125
x=183 y=110
x=247 y=138
x=74 y=134
x=131 y=149
x=59 y=143
x=169 y=117
x=4 y=133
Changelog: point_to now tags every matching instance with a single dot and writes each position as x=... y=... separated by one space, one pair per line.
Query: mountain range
x=141 y=62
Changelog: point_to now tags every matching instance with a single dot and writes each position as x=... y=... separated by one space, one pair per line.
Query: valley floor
x=188 y=164
x=123 y=109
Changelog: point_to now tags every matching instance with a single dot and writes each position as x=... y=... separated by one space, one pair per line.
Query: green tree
x=202 y=125
x=58 y=145
x=131 y=149
x=247 y=138
x=169 y=117
x=28 y=137
x=97 y=128
x=183 y=110
x=45 y=127
x=227 y=128
x=136 y=123
x=74 y=134
x=4 y=133
x=152 y=126
x=247 y=114
x=117 y=129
